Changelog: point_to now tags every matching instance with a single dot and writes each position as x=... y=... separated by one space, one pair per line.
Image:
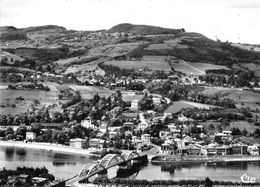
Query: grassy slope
x=142 y=29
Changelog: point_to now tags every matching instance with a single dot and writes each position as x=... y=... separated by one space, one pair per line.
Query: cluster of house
x=188 y=146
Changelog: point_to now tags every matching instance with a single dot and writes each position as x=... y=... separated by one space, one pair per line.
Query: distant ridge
x=143 y=29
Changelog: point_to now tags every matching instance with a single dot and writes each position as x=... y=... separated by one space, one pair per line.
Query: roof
x=48 y=124
x=23 y=176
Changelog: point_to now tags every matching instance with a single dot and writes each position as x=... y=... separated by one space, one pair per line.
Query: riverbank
x=204 y=159
x=47 y=146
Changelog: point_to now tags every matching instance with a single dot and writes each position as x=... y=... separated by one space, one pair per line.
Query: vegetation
x=129 y=182
x=31 y=172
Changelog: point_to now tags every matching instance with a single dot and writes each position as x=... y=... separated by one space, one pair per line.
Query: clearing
x=179 y=105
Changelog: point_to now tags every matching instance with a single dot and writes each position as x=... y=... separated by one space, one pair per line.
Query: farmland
x=237 y=124
x=88 y=92
x=153 y=65
x=242 y=98
x=179 y=105
x=194 y=68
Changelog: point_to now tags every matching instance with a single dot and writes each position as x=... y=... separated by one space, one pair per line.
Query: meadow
x=179 y=105
x=153 y=65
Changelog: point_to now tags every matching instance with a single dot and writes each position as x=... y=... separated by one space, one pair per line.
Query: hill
x=10 y=33
x=142 y=29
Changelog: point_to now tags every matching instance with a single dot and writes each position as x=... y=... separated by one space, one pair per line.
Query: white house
x=142 y=126
x=253 y=150
x=156 y=100
x=77 y=143
x=30 y=136
x=146 y=138
x=135 y=104
x=87 y=123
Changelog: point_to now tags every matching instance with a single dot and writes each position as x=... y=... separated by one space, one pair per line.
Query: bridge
x=108 y=161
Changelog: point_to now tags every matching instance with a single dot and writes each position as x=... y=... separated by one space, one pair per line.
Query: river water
x=65 y=166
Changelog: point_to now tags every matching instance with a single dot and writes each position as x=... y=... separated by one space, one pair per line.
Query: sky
x=227 y=20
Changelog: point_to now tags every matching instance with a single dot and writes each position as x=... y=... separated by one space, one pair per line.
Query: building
x=30 y=136
x=96 y=143
x=168 y=147
x=46 y=125
x=223 y=150
x=253 y=150
x=77 y=143
x=228 y=133
x=135 y=104
x=239 y=149
x=211 y=149
x=146 y=138
x=87 y=123
x=156 y=100
x=142 y=126
x=193 y=149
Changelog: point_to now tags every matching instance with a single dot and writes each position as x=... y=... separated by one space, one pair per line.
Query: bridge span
x=108 y=161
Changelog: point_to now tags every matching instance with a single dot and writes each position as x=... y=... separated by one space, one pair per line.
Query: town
x=124 y=97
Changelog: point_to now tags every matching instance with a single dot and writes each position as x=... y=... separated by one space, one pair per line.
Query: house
x=103 y=128
x=146 y=138
x=112 y=134
x=193 y=149
x=142 y=126
x=135 y=104
x=77 y=143
x=239 y=149
x=87 y=123
x=164 y=134
x=211 y=149
x=168 y=147
x=30 y=136
x=223 y=150
x=96 y=143
x=23 y=178
x=46 y=125
x=156 y=100
x=38 y=181
x=228 y=133
x=253 y=150
x=172 y=127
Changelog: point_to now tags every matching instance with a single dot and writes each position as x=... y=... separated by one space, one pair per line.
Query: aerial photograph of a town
x=129 y=93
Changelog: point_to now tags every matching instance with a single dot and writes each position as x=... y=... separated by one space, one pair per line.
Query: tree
x=208 y=182
x=257 y=133
x=244 y=132
x=21 y=130
x=235 y=131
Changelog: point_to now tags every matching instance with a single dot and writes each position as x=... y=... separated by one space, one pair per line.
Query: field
x=88 y=92
x=194 y=68
x=113 y=50
x=252 y=67
x=8 y=97
x=130 y=98
x=179 y=105
x=153 y=65
x=237 y=124
x=43 y=96
x=91 y=66
x=241 y=97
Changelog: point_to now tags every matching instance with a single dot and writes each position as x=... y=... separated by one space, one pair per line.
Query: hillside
x=10 y=33
x=184 y=51
x=142 y=29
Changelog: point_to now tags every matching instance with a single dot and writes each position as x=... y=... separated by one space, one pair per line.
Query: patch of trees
x=115 y=71
x=37 y=172
x=216 y=113
x=237 y=78
x=13 y=35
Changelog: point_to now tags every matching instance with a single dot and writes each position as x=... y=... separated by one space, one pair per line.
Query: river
x=65 y=166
